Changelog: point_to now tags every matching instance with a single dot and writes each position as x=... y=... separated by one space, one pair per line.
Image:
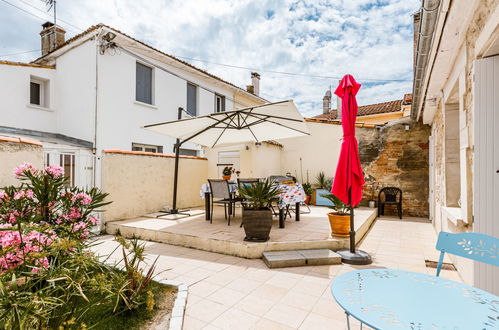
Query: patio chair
x=281 y=178
x=220 y=189
x=245 y=182
x=391 y=196
x=475 y=246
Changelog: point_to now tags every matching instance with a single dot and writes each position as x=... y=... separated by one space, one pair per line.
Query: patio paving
x=227 y=292
x=311 y=232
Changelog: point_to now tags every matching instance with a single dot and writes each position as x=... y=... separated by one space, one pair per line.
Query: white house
x=94 y=92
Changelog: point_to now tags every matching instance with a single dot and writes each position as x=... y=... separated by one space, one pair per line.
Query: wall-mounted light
x=247 y=147
x=258 y=144
x=109 y=36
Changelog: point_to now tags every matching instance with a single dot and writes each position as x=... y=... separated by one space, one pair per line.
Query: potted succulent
x=339 y=219
x=257 y=215
x=307 y=187
x=227 y=172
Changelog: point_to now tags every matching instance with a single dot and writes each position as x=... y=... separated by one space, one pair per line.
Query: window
x=143 y=83
x=219 y=103
x=38 y=92
x=147 y=148
x=188 y=152
x=192 y=94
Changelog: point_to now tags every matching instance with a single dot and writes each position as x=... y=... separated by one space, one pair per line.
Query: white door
x=486 y=163
x=228 y=158
x=78 y=165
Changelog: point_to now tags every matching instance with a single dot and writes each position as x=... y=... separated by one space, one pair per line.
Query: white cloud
x=369 y=39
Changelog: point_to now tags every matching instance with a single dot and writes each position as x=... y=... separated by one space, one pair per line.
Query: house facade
x=96 y=90
x=456 y=88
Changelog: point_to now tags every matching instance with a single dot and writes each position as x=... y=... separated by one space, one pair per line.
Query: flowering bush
x=43 y=209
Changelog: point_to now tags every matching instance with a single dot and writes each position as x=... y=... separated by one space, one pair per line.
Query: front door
x=486 y=163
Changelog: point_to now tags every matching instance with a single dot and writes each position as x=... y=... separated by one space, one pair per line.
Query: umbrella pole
x=177 y=145
x=353 y=256
x=352 y=230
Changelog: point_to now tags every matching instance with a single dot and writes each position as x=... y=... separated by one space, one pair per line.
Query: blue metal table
x=397 y=299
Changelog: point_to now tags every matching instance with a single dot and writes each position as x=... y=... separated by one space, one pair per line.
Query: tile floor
x=227 y=292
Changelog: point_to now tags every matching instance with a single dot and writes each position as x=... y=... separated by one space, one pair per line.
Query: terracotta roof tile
x=95 y=27
x=366 y=110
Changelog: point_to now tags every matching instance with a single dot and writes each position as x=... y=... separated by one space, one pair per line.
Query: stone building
x=456 y=83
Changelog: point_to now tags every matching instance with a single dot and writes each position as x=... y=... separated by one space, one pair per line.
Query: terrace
x=227 y=292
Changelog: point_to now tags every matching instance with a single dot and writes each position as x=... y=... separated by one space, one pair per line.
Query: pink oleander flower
x=93 y=220
x=23 y=193
x=55 y=171
x=79 y=226
x=84 y=198
x=19 y=170
x=2 y=196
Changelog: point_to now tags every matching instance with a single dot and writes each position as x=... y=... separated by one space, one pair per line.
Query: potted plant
x=227 y=172
x=257 y=215
x=307 y=187
x=323 y=185
x=374 y=186
x=339 y=219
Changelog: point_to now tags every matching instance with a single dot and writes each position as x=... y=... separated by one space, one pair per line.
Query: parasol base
x=358 y=258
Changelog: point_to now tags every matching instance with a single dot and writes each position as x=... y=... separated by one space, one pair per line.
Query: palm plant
x=323 y=182
x=339 y=207
x=260 y=194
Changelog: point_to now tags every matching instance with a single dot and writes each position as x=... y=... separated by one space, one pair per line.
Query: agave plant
x=260 y=194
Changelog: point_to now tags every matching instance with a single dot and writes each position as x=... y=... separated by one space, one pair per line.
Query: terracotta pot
x=340 y=225
x=226 y=177
x=307 y=200
x=257 y=224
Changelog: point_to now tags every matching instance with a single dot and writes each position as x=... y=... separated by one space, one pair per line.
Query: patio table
x=290 y=194
x=205 y=193
x=398 y=299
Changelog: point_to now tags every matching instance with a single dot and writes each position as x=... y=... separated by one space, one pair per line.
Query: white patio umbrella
x=272 y=121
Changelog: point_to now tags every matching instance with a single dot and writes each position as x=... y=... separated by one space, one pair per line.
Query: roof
x=100 y=25
x=367 y=110
x=33 y=65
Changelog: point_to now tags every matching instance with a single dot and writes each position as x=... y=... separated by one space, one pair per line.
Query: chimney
x=338 y=106
x=51 y=36
x=255 y=81
x=326 y=103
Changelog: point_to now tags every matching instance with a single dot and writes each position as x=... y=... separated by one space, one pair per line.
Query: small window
x=188 y=152
x=38 y=92
x=143 y=83
x=147 y=148
x=192 y=94
x=219 y=103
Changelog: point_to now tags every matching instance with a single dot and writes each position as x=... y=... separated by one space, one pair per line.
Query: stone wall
x=394 y=156
x=14 y=152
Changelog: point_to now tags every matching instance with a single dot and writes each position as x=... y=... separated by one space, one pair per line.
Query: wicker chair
x=390 y=196
x=220 y=189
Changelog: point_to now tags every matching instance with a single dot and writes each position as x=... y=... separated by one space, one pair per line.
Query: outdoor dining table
x=290 y=194
x=398 y=299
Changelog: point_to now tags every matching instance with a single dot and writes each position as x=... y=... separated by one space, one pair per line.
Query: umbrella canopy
x=270 y=121
x=349 y=174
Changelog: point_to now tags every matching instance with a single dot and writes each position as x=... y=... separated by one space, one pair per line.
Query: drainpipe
x=428 y=19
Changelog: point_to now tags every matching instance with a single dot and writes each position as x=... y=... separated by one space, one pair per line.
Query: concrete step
x=279 y=259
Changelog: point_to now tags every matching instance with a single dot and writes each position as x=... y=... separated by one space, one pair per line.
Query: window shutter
x=143 y=84
x=191 y=99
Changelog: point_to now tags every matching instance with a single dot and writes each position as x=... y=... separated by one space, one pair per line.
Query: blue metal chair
x=479 y=247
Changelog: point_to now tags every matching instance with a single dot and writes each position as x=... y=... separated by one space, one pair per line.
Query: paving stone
x=321 y=257
x=278 y=259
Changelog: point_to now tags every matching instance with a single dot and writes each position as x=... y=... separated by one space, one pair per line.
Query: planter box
x=321 y=201
x=257 y=224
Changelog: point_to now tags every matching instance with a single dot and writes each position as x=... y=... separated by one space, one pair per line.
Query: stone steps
x=279 y=259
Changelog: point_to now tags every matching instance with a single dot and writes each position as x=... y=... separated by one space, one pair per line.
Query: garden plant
x=48 y=276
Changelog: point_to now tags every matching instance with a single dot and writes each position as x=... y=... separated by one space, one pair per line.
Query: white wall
x=318 y=152
x=15 y=110
x=75 y=92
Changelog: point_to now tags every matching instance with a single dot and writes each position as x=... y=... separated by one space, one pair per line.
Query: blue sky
x=369 y=39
